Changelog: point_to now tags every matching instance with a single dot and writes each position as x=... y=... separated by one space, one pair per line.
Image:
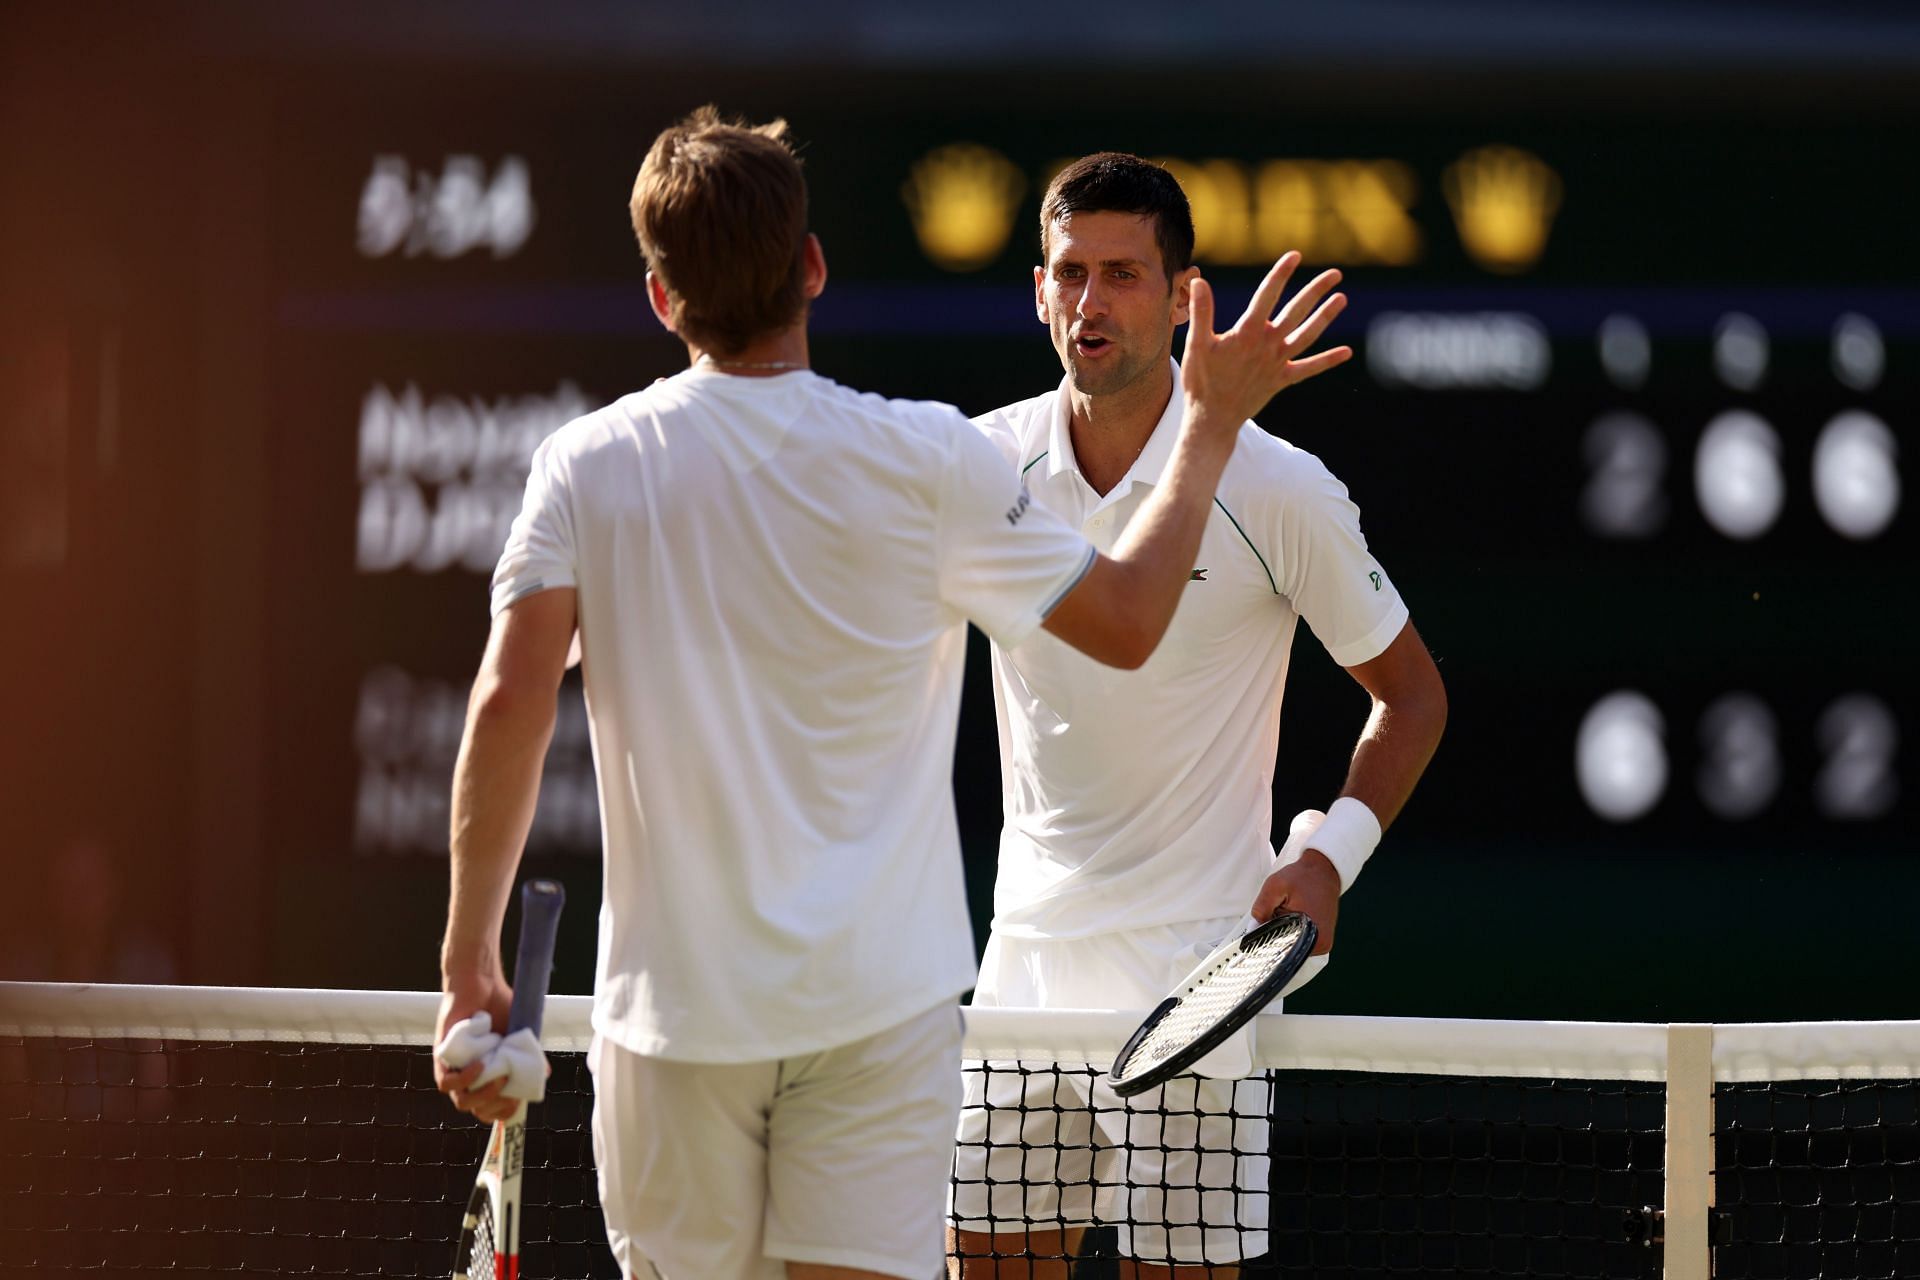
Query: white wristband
x=1347 y=837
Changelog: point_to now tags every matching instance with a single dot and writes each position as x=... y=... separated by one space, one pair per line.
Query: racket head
x=489 y=1245
x=477 y=1255
x=481 y=1251
x=1214 y=1004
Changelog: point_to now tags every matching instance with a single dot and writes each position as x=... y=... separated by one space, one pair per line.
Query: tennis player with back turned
x=1139 y=804
x=770 y=575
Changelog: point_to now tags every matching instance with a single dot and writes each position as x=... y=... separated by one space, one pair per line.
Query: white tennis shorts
x=723 y=1171
x=1180 y=1171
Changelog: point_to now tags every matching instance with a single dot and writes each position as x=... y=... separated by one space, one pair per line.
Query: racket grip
x=540 y=903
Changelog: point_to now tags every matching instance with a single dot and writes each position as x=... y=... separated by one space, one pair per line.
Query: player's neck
x=1109 y=431
x=764 y=357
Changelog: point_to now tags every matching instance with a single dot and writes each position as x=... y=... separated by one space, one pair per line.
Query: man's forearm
x=1393 y=751
x=1161 y=543
x=496 y=782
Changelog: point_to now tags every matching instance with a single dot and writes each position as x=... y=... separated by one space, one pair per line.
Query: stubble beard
x=1115 y=373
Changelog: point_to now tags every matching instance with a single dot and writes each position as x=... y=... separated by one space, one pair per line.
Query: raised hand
x=1233 y=375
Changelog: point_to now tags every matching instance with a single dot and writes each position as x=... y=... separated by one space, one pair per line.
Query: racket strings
x=1213 y=996
x=482 y=1242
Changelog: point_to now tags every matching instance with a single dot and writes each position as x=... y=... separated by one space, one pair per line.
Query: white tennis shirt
x=774 y=576
x=1141 y=798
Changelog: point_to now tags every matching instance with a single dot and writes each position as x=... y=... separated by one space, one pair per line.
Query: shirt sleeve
x=998 y=428
x=539 y=555
x=1324 y=568
x=1004 y=560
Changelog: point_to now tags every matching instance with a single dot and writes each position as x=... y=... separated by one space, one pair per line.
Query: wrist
x=1205 y=445
x=1346 y=838
x=467 y=965
x=1319 y=866
x=1208 y=422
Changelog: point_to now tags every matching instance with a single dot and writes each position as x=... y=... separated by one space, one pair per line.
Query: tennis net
x=276 y=1132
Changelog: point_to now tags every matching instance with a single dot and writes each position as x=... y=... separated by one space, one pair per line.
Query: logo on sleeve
x=1019 y=508
x=1375 y=578
x=1199 y=575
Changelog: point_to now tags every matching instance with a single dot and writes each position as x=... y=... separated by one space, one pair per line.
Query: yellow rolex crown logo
x=1503 y=203
x=963 y=199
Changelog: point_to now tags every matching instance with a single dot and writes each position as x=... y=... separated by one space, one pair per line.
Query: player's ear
x=1040 y=295
x=814 y=278
x=661 y=301
x=1182 y=282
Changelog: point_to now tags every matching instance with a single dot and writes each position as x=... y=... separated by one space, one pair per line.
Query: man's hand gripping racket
x=1203 y=1027
x=490 y=1231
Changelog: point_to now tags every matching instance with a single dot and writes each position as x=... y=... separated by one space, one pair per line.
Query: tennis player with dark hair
x=1138 y=804
x=769 y=575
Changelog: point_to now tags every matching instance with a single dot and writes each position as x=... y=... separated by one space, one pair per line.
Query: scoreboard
x=1625 y=424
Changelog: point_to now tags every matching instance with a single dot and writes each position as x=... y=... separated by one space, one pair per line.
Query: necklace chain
x=751 y=364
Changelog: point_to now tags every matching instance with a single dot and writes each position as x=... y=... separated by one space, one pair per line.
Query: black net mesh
x=262 y=1158
x=1354 y=1175
x=1818 y=1178
x=279 y=1158
x=1390 y=1175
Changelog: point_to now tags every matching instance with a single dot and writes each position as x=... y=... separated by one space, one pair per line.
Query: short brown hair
x=1115 y=182
x=720 y=209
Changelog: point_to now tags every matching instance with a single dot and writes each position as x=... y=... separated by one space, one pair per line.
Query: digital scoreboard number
x=1740 y=481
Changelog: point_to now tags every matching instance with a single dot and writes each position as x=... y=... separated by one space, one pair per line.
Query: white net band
x=1306 y=1042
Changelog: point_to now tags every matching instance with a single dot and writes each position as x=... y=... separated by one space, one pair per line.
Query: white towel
x=518 y=1057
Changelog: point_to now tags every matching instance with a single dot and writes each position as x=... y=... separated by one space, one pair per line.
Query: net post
x=1687 y=1253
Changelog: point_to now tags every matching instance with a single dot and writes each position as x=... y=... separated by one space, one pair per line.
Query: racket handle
x=540 y=903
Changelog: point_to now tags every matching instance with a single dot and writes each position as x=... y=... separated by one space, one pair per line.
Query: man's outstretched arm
x=1120 y=610
x=496 y=781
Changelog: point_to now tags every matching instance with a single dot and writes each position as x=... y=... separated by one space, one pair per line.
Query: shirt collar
x=1153 y=459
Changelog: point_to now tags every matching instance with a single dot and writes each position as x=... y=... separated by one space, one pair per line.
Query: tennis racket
x=489 y=1246
x=1236 y=982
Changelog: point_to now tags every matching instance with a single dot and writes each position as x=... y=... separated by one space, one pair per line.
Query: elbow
x=504 y=702
x=1109 y=620
x=1417 y=709
x=1131 y=645
x=1125 y=653
x=1431 y=708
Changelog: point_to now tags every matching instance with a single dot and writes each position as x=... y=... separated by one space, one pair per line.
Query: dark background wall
x=291 y=291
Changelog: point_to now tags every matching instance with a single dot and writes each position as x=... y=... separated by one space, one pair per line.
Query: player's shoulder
x=1021 y=420
x=1020 y=430
x=929 y=418
x=1266 y=469
x=862 y=419
x=917 y=438
x=1273 y=467
x=589 y=433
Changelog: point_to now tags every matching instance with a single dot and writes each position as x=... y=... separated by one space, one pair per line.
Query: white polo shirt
x=774 y=576
x=1141 y=798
